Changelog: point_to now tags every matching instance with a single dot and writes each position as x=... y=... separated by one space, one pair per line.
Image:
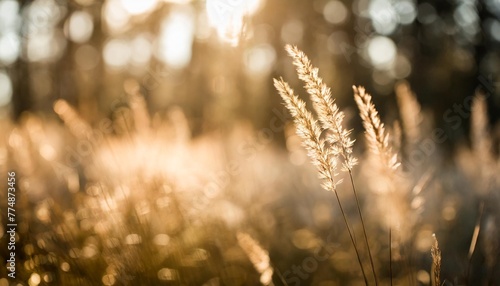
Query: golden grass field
x=238 y=143
x=138 y=200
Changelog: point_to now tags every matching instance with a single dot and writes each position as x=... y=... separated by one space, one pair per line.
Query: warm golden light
x=174 y=45
x=135 y=7
x=228 y=17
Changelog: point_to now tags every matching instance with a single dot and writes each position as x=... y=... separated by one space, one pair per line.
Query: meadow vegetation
x=136 y=199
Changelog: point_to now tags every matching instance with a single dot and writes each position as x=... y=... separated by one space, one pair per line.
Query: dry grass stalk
x=142 y=120
x=76 y=125
x=330 y=117
x=411 y=116
x=329 y=114
x=378 y=142
x=436 y=262
x=258 y=256
x=487 y=170
x=310 y=132
x=376 y=137
x=475 y=235
x=482 y=143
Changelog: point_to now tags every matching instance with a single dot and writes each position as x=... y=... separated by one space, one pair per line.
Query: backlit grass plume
x=310 y=132
x=329 y=114
x=376 y=136
x=436 y=262
x=410 y=112
x=482 y=143
x=258 y=256
x=338 y=138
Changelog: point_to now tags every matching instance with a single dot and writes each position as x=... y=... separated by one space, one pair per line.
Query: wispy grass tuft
x=258 y=256
x=338 y=138
x=436 y=262
x=376 y=136
x=310 y=132
x=330 y=116
x=410 y=112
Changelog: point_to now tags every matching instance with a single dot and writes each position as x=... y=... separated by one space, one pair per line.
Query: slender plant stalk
x=390 y=253
x=473 y=242
x=436 y=262
x=258 y=256
x=351 y=235
x=282 y=279
x=363 y=226
x=378 y=143
x=310 y=132
x=331 y=119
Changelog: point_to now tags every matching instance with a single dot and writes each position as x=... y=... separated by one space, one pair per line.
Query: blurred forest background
x=82 y=51
x=201 y=147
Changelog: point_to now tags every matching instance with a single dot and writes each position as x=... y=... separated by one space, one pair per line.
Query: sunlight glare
x=228 y=17
x=115 y=16
x=176 y=38
x=135 y=7
x=382 y=52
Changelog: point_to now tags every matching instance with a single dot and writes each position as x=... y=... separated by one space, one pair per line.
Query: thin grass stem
x=363 y=226
x=390 y=253
x=351 y=235
x=473 y=242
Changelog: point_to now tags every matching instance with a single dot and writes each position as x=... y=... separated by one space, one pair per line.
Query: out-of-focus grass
x=137 y=200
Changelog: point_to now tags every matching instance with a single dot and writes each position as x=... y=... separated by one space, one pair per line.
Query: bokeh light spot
x=80 y=26
x=46 y=46
x=5 y=89
x=9 y=47
x=161 y=239
x=65 y=266
x=335 y=12
x=176 y=38
x=167 y=274
x=465 y=15
x=9 y=10
x=292 y=32
x=35 y=279
x=227 y=17
x=133 y=239
x=406 y=11
x=115 y=16
x=382 y=52
x=423 y=277
x=141 y=50
x=117 y=53
x=259 y=60
x=108 y=280
x=135 y=7
x=493 y=28
x=383 y=15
